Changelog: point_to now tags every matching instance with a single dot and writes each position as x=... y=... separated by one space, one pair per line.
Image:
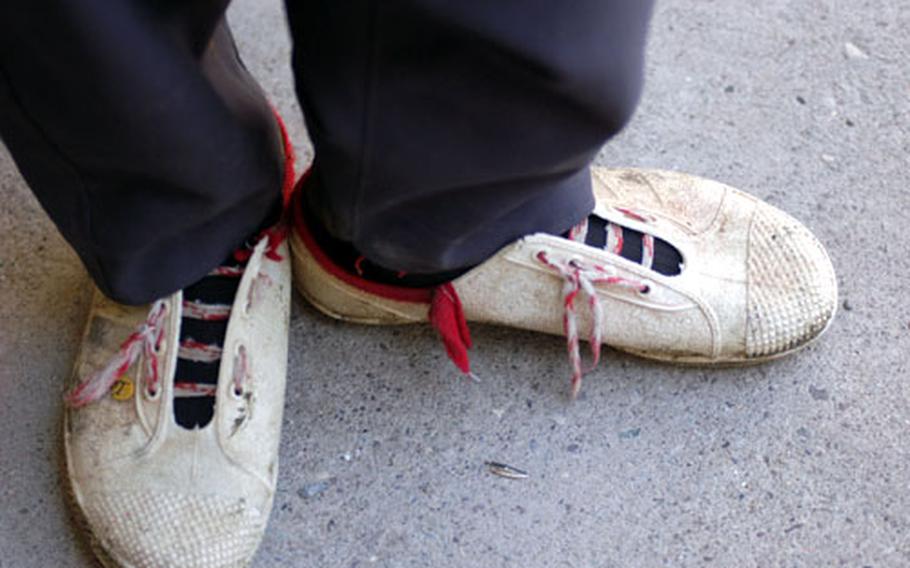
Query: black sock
x=352 y=261
x=667 y=260
x=207 y=306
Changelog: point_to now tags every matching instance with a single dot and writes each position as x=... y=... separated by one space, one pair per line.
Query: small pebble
x=629 y=434
x=847 y=306
x=800 y=100
x=818 y=393
x=854 y=52
x=311 y=490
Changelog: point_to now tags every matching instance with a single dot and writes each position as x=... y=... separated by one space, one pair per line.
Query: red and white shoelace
x=146 y=340
x=143 y=343
x=579 y=278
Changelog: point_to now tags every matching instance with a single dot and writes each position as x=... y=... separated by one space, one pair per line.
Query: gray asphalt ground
x=804 y=462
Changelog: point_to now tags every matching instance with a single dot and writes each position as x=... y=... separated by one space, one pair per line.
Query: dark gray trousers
x=442 y=130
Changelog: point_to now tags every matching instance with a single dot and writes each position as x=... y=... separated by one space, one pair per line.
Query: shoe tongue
x=632 y=245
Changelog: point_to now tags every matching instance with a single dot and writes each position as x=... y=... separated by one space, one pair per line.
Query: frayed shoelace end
x=575 y=389
x=142 y=342
x=100 y=382
x=75 y=399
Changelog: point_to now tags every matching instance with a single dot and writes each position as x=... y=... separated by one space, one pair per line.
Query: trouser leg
x=140 y=132
x=445 y=130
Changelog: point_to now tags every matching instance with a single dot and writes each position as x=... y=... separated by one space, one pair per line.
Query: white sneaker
x=754 y=284
x=156 y=495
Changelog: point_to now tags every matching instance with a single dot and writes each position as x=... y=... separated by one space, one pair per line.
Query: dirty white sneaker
x=754 y=283
x=151 y=493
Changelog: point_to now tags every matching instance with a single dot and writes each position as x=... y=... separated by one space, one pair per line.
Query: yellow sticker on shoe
x=123 y=389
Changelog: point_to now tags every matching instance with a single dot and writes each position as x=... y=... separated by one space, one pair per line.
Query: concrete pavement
x=803 y=462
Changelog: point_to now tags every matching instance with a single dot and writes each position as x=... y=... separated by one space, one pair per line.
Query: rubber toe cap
x=792 y=289
x=167 y=530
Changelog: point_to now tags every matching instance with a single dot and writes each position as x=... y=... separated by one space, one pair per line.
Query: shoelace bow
x=579 y=278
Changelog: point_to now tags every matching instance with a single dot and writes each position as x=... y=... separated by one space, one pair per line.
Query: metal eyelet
x=250 y=293
x=157 y=349
x=237 y=391
x=152 y=394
